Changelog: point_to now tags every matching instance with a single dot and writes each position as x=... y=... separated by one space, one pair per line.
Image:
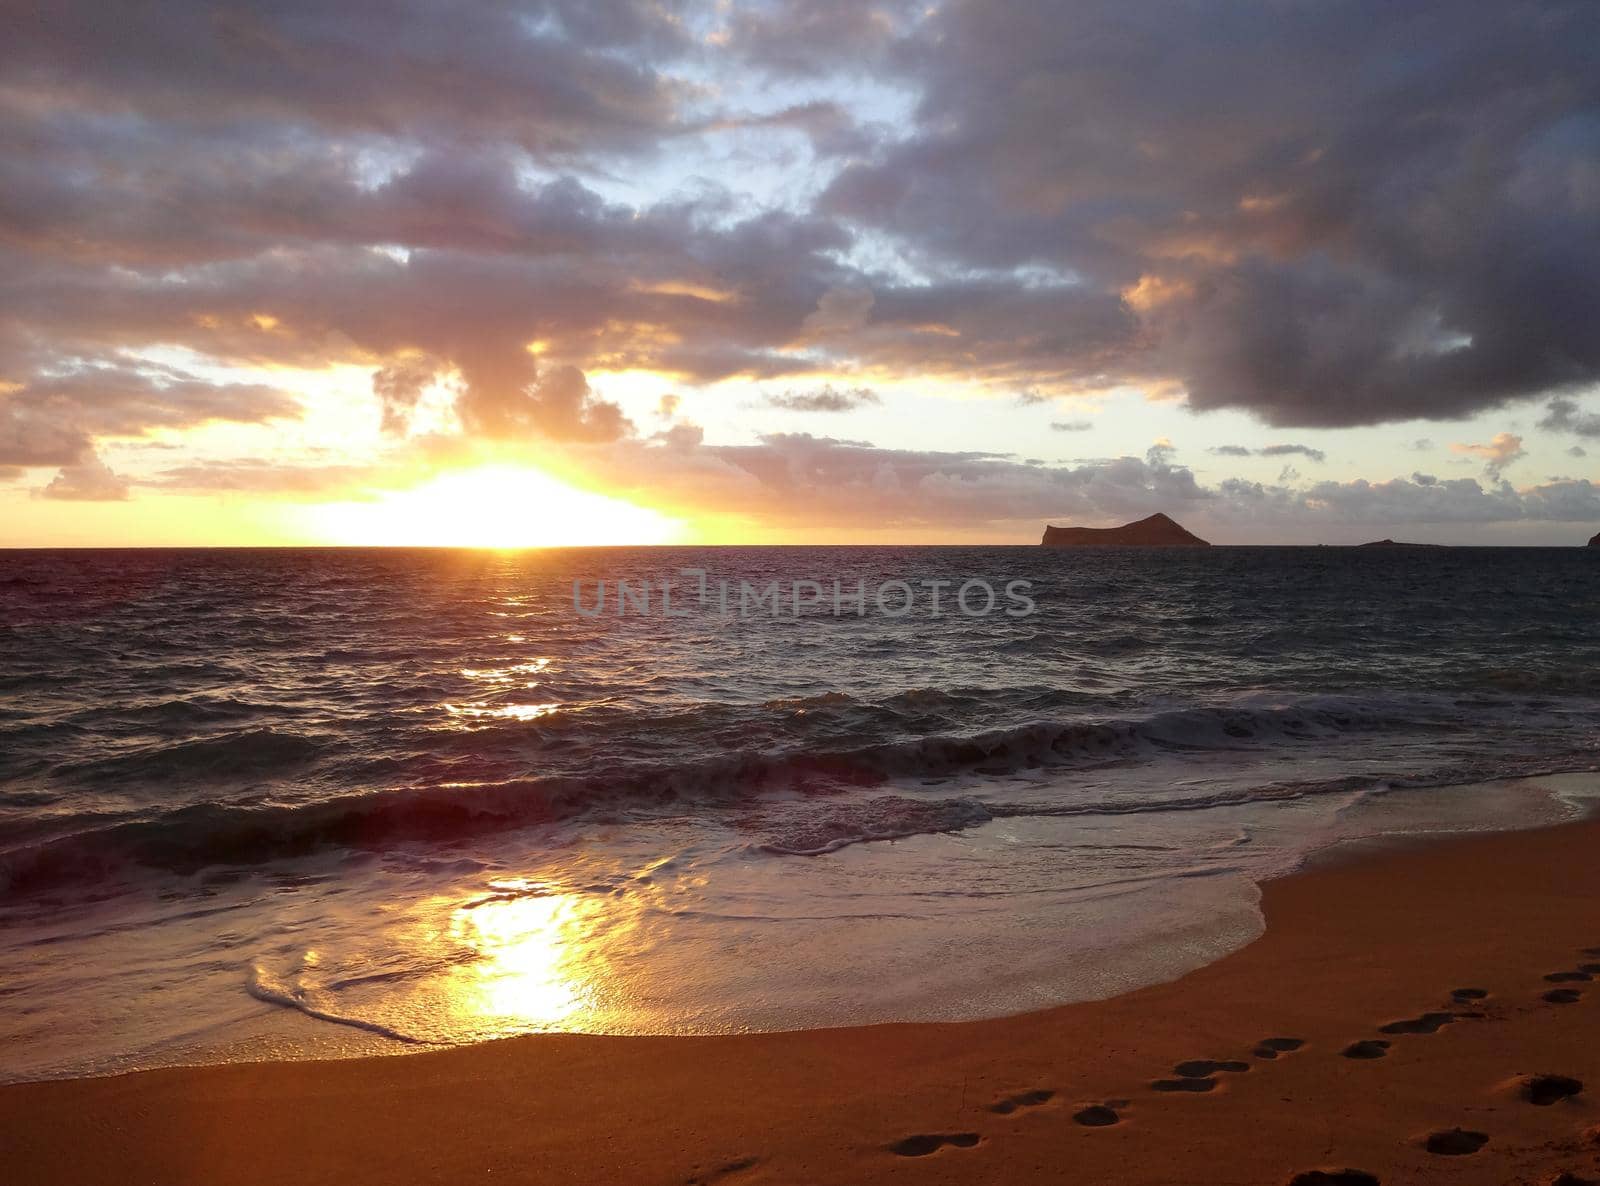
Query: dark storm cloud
x=557 y=78
x=806 y=37
x=1328 y=214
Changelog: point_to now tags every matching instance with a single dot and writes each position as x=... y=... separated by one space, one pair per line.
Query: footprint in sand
x=1366 y=1048
x=1428 y=1023
x=1563 y=996
x=1189 y=1085
x=1200 y=1068
x=1027 y=1099
x=1270 y=1048
x=1469 y=994
x=1334 y=1178
x=1592 y=969
x=1455 y=1142
x=1545 y=1090
x=724 y=1171
x=925 y=1143
x=1567 y=977
x=1096 y=1116
x=1569 y=1179
x=1196 y=1074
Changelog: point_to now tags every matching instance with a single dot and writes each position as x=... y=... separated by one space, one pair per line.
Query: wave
x=252 y=754
x=893 y=817
x=272 y=991
x=886 y=817
x=192 y=838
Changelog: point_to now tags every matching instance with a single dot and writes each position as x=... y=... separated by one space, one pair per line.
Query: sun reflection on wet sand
x=531 y=968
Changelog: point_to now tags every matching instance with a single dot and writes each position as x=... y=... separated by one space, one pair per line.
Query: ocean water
x=303 y=803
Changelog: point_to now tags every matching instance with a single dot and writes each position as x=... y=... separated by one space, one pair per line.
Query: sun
x=492 y=506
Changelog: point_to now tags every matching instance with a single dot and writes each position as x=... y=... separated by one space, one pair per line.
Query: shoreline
x=1354 y=941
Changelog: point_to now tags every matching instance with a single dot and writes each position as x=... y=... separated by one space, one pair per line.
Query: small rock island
x=1158 y=531
x=1595 y=542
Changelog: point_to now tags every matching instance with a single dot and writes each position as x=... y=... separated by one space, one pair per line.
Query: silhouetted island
x=1595 y=542
x=1157 y=531
x=1389 y=543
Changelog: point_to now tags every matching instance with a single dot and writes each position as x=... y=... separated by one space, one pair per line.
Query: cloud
x=1277 y=211
x=557 y=404
x=399 y=385
x=681 y=437
x=1419 y=499
x=827 y=398
x=1305 y=451
x=88 y=480
x=1577 y=451
x=795 y=479
x=1071 y=425
x=1309 y=224
x=258 y=475
x=1563 y=415
x=805 y=38
x=1293 y=450
x=839 y=310
x=575 y=75
x=1500 y=452
x=52 y=417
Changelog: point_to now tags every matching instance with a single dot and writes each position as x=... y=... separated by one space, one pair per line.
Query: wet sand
x=1334 y=1042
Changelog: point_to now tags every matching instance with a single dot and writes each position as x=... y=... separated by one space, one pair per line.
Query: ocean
x=307 y=803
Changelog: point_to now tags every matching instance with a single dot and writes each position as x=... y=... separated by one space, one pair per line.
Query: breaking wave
x=191 y=838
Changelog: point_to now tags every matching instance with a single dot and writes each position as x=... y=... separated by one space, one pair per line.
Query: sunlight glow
x=528 y=971
x=493 y=506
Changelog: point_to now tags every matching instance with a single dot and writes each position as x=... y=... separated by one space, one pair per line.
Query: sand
x=1351 y=947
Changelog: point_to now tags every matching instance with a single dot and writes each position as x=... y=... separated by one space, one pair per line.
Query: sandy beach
x=1367 y=947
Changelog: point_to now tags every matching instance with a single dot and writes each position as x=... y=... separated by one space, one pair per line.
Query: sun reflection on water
x=531 y=968
x=501 y=712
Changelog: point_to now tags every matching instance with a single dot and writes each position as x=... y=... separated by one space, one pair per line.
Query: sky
x=620 y=272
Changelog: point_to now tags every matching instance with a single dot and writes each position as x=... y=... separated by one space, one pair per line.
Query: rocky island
x=1595 y=542
x=1158 y=531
